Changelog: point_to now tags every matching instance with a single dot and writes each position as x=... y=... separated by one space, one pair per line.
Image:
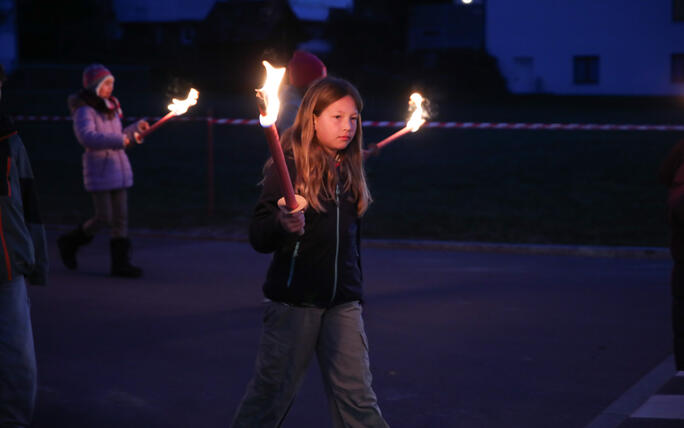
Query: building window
x=678 y=10
x=187 y=35
x=586 y=70
x=677 y=68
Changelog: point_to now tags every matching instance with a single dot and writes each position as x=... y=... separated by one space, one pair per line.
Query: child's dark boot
x=121 y=263
x=68 y=244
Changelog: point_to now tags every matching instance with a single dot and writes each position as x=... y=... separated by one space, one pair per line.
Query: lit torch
x=176 y=108
x=269 y=105
x=415 y=122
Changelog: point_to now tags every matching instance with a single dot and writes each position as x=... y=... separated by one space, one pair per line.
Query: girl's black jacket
x=321 y=268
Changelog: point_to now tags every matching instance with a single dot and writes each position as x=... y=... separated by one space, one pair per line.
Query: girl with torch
x=106 y=170
x=313 y=287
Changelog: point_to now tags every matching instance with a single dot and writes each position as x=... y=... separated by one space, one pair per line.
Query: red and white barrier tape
x=400 y=124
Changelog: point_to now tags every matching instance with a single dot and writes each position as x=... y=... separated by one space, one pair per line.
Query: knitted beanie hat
x=304 y=68
x=94 y=75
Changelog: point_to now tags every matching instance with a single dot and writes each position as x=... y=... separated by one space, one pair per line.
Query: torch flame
x=181 y=106
x=418 y=115
x=269 y=93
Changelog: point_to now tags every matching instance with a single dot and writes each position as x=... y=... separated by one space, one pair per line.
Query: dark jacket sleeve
x=675 y=200
x=671 y=174
x=32 y=218
x=265 y=231
x=676 y=208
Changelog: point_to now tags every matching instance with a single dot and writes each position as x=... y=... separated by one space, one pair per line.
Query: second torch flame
x=179 y=107
x=414 y=123
x=418 y=116
x=176 y=108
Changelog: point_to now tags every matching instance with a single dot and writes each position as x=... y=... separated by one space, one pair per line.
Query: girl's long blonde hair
x=316 y=177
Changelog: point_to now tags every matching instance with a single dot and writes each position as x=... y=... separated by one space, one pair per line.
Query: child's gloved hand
x=142 y=126
x=138 y=137
x=292 y=222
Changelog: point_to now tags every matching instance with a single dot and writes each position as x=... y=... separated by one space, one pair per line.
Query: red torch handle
x=393 y=137
x=157 y=124
x=279 y=162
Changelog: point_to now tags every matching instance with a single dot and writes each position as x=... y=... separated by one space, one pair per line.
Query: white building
x=9 y=54
x=612 y=47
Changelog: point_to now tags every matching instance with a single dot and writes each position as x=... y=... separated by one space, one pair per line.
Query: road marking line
x=635 y=396
x=662 y=407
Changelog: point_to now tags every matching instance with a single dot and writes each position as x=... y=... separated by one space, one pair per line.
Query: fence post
x=210 y=164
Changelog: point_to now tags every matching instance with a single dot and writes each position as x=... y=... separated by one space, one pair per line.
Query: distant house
x=175 y=24
x=8 y=35
x=247 y=21
x=442 y=26
x=621 y=47
x=314 y=14
x=170 y=24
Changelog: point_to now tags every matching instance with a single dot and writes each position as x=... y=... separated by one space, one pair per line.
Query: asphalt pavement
x=458 y=337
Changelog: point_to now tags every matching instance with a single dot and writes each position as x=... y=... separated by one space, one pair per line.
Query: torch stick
x=273 y=140
x=393 y=137
x=290 y=202
x=157 y=124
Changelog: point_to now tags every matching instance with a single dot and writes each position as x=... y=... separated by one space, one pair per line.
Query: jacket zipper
x=337 y=239
x=292 y=264
x=8 y=265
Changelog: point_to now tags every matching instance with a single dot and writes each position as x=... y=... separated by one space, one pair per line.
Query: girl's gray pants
x=291 y=336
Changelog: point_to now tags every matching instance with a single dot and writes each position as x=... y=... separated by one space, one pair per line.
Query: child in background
x=314 y=283
x=303 y=69
x=106 y=170
x=24 y=255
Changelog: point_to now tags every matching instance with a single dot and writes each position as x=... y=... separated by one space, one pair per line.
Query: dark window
x=586 y=70
x=677 y=68
x=677 y=10
x=187 y=35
